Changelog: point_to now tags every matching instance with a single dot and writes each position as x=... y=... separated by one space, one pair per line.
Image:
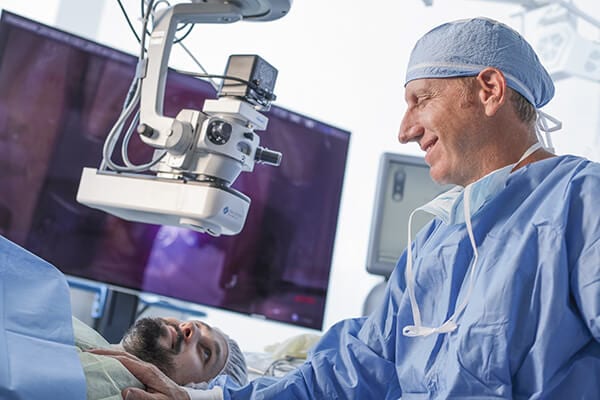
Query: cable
x=177 y=40
x=189 y=53
x=180 y=39
x=146 y=18
x=282 y=366
x=260 y=91
x=148 y=10
x=131 y=102
x=128 y=20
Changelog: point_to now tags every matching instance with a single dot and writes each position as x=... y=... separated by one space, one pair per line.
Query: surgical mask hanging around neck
x=446 y=207
x=450 y=325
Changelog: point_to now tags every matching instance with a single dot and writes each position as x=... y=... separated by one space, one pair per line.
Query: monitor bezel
x=374 y=266
x=287 y=115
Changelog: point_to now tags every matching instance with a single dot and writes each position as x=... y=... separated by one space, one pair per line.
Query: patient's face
x=187 y=352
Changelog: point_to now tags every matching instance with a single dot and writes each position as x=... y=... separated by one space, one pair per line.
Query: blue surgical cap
x=235 y=366
x=465 y=47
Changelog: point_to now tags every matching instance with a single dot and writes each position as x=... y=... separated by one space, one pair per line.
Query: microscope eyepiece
x=266 y=156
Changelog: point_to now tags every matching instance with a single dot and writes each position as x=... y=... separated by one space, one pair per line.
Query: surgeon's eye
x=422 y=100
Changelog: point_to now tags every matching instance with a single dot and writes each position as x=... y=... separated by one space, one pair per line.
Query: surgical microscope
x=198 y=154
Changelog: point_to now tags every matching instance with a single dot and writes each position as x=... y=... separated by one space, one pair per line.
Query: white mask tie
x=541 y=125
x=450 y=325
x=417 y=329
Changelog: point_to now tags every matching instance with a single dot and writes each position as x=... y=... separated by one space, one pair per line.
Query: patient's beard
x=141 y=340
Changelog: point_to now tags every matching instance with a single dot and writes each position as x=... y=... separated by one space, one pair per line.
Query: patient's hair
x=141 y=341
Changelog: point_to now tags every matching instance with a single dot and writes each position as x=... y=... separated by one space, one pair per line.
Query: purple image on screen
x=60 y=95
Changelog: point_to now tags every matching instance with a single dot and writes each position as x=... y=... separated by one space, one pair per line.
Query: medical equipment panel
x=403 y=184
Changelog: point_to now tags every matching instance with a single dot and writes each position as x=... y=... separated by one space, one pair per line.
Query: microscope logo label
x=231 y=213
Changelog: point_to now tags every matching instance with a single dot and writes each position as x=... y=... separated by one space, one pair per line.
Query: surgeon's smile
x=428 y=147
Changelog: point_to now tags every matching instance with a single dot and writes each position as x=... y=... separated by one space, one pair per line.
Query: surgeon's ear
x=492 y=90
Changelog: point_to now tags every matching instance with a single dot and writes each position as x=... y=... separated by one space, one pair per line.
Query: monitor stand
x=113 y=311
x=374 y=298
x=120 y=312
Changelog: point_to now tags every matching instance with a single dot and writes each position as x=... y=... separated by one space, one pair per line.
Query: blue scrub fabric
x=38 y=358
x=531 y=329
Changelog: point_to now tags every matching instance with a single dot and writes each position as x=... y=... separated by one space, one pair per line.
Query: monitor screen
x=403 y=184
x=60 y=95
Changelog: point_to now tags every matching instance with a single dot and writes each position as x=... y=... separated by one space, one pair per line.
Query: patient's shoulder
x=86 y=337
x=105 y=376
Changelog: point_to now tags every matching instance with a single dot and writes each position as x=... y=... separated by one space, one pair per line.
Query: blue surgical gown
x=531 y=328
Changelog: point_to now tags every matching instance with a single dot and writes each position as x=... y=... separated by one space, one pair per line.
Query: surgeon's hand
x=158 y=385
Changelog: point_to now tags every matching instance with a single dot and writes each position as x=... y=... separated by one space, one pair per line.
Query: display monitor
x=59 y=96
x=403 y=184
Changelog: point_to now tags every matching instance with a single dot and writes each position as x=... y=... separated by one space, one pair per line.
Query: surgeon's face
x=442 y=117
x=188 y=352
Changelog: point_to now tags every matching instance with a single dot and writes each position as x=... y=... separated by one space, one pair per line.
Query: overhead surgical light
x=565 y=52
x=552 y=29
x=199 y=154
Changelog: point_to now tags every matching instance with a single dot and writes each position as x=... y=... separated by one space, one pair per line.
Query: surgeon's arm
x=583 y=238
x=355 y=359
x=344 y=364
x=347 y=363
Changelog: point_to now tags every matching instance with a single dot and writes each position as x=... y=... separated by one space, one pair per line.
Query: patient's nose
x=188 y=329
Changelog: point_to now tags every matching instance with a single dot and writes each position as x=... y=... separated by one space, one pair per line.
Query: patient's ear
x=491 y=90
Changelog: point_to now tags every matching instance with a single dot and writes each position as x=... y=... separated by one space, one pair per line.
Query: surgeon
x=499 y=296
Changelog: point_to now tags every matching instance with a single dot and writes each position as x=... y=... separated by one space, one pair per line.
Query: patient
x=37 y=333
x=190 y=353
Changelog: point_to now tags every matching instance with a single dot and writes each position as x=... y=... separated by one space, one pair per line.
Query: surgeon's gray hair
x=524 y=109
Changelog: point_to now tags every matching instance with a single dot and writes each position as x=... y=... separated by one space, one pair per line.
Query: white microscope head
x=199 y=153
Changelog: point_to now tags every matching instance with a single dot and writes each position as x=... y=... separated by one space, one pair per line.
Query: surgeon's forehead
x=424 y=85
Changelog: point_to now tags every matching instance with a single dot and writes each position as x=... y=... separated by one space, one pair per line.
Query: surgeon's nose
x=410 y=129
